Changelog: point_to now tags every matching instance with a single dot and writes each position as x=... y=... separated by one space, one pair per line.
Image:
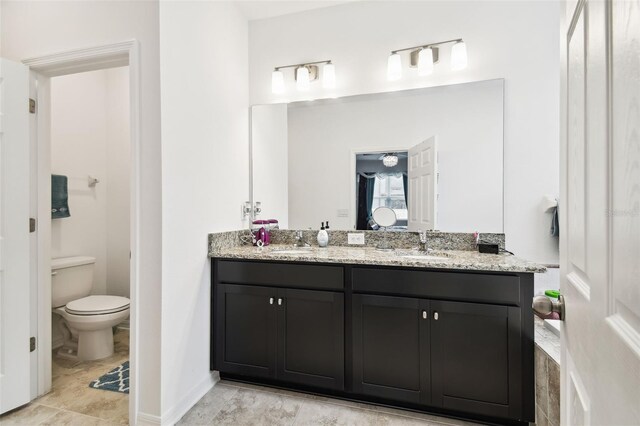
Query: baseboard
x=148 y=420
x=174 y=414
x=124 y=324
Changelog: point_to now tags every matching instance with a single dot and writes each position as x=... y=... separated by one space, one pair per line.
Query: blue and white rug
x=116 y=380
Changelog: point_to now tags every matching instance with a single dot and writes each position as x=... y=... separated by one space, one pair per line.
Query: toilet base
x=93 y=345
x=90 y=346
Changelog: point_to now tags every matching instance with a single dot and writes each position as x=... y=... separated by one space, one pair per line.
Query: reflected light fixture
x=424 y=57
x=390 y=160
x=394 y=67
x=305 y=74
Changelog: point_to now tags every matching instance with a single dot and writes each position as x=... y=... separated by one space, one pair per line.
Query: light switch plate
x=343 y=212
x=355 y=238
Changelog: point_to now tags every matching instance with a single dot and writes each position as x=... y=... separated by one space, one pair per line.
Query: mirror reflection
x=434 y=156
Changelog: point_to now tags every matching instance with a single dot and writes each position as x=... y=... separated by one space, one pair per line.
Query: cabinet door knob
x=279 y=301
x=424 y=315
x=435 y=316
x=271 y=300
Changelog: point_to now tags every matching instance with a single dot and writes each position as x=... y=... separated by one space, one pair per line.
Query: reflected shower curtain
x=366 y=187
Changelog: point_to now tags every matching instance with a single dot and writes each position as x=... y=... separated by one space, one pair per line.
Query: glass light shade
x=394 y=67
x=277 y=82
x=459 y=56
x=329 y=76
x=302 y=79
x=390 y=160
x=425 y=61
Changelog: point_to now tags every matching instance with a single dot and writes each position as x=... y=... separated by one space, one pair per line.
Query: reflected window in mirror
x=381 y=185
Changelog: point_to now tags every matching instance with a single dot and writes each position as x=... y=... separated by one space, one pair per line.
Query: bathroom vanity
x=451 y=334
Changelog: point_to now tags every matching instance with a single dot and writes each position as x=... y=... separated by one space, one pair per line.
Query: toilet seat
x=97 y=305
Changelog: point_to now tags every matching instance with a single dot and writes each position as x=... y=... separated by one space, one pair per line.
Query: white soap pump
x=323 y=236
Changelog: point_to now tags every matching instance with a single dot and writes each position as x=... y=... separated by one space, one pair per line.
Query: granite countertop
x=442 y=259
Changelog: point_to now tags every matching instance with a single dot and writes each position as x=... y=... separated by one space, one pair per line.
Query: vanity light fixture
x=394 y=67
x=304 y=75
x=390 y=160
x=277 y=82
x=424 y=57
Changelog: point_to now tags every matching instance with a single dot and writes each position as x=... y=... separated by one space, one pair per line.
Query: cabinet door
x=475 y=355
x=311 y=338
x=246 y=330
x=391 y=348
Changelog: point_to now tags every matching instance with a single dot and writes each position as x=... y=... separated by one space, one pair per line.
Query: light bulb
x=459 y=56
x=425 y=61
x=394 y=67
x=277 y=82
x=329 y=76
x=302 y=79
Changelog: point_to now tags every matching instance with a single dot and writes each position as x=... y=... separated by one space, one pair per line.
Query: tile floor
x=71 y=400
x=231 y=403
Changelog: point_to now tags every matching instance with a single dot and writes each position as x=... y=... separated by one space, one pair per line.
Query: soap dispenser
x=323 y=237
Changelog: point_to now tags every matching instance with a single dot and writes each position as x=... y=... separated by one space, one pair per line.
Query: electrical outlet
x=355 y=238
x=343 y=212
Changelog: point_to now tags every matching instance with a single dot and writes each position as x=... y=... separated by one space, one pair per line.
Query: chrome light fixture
x=305 y=74
x=394 y=67
x=329 y=76
x=277 y=82
x=390 y=160
x=302 y=78
x=425 y=61
x=459 y=56
x=424 y=57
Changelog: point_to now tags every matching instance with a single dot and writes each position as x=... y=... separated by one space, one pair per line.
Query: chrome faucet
x=300 y=242
x=424 y=240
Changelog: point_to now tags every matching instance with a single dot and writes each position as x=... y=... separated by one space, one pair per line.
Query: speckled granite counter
x=444 y=259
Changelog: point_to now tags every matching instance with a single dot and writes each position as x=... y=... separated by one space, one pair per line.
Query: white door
x=422 y=176
x=14 y=235
x=600 y=213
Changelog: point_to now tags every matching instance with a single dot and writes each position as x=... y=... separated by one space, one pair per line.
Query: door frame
x=42 y=68
x=353 y=204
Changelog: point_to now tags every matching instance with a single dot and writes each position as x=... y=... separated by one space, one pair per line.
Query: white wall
x=465 y=118
x=269 y=149
x=78 y=149
x=205 y=177
x=517 y=41
x=90 y=136
x=118 y=181
x=33 y=28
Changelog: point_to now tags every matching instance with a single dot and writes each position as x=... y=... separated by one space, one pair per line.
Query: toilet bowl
x=87 y=321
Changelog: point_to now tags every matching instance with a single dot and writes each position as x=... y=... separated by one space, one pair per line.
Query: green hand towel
x=59 y=197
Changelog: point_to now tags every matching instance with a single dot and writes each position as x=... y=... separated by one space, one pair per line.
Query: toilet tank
x=71 y=279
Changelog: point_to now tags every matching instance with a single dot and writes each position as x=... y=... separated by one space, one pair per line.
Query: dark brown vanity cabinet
x=291 y=335
x=455 y=342
x=476 y=358
x=452 y=355
x=391 y=348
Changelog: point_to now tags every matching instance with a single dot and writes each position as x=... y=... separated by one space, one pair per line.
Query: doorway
x=43 y=72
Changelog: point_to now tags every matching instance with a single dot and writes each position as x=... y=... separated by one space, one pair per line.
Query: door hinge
x=32 y=344
x=32 y=225
x=32 y=106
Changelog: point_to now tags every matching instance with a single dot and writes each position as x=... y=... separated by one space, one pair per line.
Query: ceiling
x=262 y=9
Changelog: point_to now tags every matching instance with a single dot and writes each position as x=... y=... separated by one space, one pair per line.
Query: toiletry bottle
x=326 y=228
x=323 y=237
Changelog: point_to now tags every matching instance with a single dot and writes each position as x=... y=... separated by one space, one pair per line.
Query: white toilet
x=87 y=321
